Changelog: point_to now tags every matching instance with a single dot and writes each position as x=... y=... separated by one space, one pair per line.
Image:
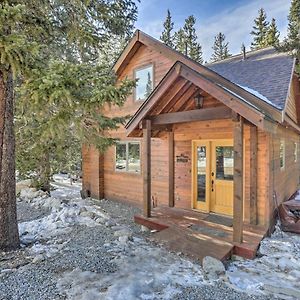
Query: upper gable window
x=282 y=155
x=144 y=85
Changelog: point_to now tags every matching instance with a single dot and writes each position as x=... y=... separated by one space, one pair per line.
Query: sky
x=234 y=18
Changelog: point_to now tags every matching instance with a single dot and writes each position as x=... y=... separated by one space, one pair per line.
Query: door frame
x=206 y=206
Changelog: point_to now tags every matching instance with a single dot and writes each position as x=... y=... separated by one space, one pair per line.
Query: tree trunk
x=45 y=172
x=9 y=234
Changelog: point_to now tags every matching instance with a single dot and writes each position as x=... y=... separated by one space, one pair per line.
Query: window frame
x=295 y=151
x=140 y=68
x=282 y=142
x=127 y=156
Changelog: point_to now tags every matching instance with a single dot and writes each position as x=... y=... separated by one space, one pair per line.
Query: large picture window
x=128 y=157
x=144 y=84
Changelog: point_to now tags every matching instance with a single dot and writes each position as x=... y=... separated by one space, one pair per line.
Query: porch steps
x=193 y=245
x=188 y=232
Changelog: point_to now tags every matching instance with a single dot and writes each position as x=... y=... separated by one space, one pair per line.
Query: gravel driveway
x=98 y=260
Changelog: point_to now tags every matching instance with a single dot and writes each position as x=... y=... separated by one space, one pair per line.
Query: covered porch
x=187 y=97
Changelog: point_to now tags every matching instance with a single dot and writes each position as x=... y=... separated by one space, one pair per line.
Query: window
x=282 y=155
x=224 y=162
x=144 y=85
x=128 y=157
x=295 y=152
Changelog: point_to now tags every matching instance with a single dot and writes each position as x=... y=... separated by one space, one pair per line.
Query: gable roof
x=275 y=68
x=273 y=108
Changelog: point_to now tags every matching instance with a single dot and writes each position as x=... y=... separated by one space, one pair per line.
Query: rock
x=82 y=209
x=212 y=267
x=144 y=228
x=100 y=221
x=23 y=184
x=88 y=214
x=29 y=193
x=38 y=258
x=110 y=223
x=123 y=239
x=123 y=232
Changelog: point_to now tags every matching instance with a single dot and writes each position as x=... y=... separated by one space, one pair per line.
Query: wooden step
x=193 y=244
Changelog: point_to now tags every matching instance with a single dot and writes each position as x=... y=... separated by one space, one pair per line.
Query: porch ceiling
x=176 y=92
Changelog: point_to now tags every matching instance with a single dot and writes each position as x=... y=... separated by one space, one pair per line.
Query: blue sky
x=232 y=17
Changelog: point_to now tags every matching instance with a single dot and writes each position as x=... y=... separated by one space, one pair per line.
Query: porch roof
x=182 y=82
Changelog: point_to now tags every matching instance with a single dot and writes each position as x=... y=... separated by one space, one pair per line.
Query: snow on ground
x=141 y=270
x=277 y=271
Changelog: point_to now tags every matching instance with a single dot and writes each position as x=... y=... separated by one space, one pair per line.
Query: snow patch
x=279 y=266
x=144 y=272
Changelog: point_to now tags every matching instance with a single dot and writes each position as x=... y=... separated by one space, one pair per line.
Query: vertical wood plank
x=171 y=168
x=238 y=180
x=253 y=175
x=147 y=168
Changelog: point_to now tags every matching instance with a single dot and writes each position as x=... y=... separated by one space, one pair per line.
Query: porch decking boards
x=176 y=234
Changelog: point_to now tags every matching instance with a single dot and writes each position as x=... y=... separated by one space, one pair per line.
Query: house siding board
x=124 y=186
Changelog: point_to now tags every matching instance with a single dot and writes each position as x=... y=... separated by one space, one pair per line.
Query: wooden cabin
x=221 y=138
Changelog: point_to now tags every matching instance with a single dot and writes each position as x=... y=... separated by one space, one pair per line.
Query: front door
x=213 y=176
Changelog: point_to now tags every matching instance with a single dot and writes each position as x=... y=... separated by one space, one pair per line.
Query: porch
x=197 y=234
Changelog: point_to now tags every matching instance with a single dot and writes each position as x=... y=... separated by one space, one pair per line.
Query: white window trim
x=134 y=77
x=295 y=151
x=283 y=143
x=127 y=152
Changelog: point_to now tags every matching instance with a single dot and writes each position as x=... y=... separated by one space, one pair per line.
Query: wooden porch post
x=147 y=168
x=171 y=168
x=238 y=200
x=253 y=175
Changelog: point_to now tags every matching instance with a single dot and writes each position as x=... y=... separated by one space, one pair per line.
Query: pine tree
x=166 y=35
x=193 y=47
x=180 y=41
x=46 y=45
x=272 y=37
x=260 y=30
x=291 y=43
x=220 y=48
x=148 y=86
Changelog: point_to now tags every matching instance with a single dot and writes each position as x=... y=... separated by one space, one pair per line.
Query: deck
x=198 y=234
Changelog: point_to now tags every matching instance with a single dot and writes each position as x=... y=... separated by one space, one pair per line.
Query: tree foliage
x=220 y=48
x=291 y=43
x=260 y=30
x=52 y=50
x=272 y=37
x=166 y=35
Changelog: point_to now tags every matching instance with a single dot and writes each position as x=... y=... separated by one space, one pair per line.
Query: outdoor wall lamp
x=199 y=101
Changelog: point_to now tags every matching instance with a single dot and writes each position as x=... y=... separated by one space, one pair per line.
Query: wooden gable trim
x=141 y=37
x=230 y=100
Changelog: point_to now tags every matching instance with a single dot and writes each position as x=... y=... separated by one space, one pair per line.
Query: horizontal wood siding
x=285 y=182
x=124 y=186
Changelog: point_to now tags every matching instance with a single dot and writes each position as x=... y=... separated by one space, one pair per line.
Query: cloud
x=237 y=23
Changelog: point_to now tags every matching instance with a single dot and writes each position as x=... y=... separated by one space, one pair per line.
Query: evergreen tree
x=52 y=49
x=272 y=38
x=260 y=30
x=292 y=42
x=148 y=86
x=193 y=47
x=220 y=48
x=180 y=41
x=166 y=35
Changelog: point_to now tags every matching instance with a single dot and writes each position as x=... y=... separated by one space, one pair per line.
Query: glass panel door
x=201 y=173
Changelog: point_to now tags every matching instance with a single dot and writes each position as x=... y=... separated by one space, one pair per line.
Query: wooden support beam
x=238 y=200
x=203 y=114
x=147 y=168
x=171 y=168
x=253 y=175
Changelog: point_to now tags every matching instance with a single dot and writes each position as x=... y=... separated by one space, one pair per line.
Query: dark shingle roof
x=265 y=71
